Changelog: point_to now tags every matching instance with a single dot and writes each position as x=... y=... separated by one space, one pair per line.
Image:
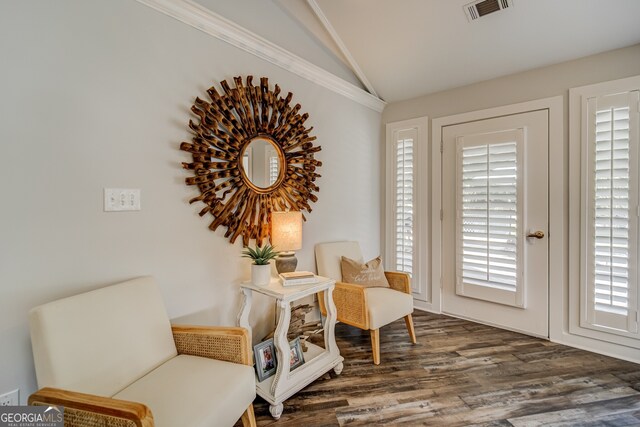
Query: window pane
x=489 y=215
x=610 y=209
x=404 y=205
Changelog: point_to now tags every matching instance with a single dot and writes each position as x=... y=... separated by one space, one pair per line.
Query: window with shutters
x=405 y=242
x=273 y=169
x=404 y=201
x=489 y=171
x=609 y=261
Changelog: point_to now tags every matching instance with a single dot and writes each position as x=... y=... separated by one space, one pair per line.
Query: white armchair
x=112 y=358
x=365 y=308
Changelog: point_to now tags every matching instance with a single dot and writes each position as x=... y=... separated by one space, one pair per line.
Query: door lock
x=537 y=234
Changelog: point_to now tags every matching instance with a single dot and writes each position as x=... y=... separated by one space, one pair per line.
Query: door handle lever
x=537 y=234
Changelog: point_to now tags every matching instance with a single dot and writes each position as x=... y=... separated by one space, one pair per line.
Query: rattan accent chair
x=365 y=308
x=112 y=358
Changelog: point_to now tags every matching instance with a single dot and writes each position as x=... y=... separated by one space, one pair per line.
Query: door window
x=489 y=217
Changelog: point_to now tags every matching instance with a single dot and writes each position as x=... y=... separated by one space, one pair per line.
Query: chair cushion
x=328 y=257
x=387 y=305
x=369 y=274
x=194 y=391
x=101 y=341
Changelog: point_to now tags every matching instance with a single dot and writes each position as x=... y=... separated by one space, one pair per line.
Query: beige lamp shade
x=286 y=231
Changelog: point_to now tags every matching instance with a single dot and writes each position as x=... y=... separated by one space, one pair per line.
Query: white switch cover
x=10 y=399
x=121 y=199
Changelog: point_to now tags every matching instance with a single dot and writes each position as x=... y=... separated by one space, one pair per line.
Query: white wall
x=540 y=83
x=554 y=80
x=97 y=94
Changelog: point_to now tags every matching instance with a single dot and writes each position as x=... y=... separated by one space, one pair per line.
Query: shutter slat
x=404 y=205
x=610 y=210
x=487 y=218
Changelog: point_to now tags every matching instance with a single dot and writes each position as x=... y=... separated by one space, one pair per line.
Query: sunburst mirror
x=252 y=154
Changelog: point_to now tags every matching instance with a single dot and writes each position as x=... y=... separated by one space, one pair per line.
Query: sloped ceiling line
x=343 y=48
x=223 y=29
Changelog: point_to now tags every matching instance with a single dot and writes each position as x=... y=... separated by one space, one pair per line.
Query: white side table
x=279 y=387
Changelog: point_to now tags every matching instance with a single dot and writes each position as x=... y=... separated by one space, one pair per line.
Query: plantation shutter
x=404 y=200
x=611 y=146
x=273 y=169
x=489 y=216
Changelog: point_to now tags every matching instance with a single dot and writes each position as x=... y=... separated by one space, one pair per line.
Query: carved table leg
x=330 y=323
x=338 y=368
x=276 y=410
x=283 y=354
x=243 y=316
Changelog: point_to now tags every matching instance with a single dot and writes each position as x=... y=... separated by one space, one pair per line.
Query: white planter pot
x=260 y=274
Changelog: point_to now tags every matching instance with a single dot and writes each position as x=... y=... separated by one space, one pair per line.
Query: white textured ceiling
x=409 y=48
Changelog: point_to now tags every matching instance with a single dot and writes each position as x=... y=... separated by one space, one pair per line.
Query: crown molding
x=223 y=29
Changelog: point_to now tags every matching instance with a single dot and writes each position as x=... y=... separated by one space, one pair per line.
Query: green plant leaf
x=260 y=255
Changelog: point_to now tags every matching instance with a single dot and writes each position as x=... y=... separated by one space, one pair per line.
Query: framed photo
x=265 y=356
x=297 y=356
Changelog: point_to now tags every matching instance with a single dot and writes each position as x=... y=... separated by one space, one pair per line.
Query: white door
x=495 y=221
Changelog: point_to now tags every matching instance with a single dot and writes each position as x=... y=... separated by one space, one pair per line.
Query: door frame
x=558 y=221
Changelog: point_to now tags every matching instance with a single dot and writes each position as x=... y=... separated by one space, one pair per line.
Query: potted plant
x=261 y=267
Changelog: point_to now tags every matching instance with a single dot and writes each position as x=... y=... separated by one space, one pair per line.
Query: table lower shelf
x=318 y=361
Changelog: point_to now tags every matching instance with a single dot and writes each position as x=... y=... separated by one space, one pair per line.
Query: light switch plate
x=121 y=199
x=10 y=399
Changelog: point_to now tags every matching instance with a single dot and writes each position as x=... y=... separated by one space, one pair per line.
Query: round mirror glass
x=262 y=162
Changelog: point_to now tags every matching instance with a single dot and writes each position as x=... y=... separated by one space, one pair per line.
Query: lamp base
x=286 y=262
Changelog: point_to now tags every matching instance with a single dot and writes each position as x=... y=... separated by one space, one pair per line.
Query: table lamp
x=286 y=237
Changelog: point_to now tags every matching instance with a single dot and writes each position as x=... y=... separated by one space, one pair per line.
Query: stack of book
x=296 y=278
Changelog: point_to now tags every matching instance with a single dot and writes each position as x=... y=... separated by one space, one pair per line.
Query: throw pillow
x=370 y=274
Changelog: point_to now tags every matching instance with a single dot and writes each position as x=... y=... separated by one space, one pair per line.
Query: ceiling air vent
x=480 y=8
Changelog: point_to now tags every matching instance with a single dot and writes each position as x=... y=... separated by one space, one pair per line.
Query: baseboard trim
x=564 y=339
x=567 y=339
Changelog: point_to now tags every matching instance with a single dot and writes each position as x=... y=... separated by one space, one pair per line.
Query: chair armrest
x=399 y=281
x=351 y=302
x=81 y=409
x=230 y=344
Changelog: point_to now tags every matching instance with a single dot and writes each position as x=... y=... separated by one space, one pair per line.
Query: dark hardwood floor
x=462 y=373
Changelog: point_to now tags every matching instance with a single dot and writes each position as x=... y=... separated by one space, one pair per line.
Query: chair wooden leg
x=375 y=345
x=412 y=333
x=249 y=417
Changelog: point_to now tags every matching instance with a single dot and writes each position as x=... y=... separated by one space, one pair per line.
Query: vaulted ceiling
x=409 y=48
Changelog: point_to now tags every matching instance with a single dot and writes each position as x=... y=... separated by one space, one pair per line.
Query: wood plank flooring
x=459 y=374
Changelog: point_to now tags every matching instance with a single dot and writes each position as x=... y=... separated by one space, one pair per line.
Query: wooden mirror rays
x=222 y=133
